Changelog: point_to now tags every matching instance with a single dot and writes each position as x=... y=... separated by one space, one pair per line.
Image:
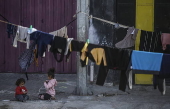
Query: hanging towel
x=129 y=40
x=146 y=60
x=165 y=66
x=23 y=35
x=165 y=38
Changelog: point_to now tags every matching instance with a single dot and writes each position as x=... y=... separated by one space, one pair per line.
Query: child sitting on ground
x=21 y=91
x=49 y=86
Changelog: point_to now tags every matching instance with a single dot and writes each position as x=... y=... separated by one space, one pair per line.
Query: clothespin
x=88 y=41
x=31 y=28
x=117 y=26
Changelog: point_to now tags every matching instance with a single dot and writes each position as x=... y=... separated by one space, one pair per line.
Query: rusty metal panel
x=44 y=15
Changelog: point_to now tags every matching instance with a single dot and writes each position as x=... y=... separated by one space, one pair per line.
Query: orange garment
x=35 y=59
x=99 y=54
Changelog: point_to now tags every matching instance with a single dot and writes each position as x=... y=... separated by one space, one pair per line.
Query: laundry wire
x=106 y=21
x=8 y=23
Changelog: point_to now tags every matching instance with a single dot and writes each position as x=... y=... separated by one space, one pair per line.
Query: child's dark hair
x=51 y=72
x=20 y=81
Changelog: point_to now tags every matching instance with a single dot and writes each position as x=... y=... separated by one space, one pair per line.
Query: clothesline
x=18 y=25
x=106 y=21
x=8 y=23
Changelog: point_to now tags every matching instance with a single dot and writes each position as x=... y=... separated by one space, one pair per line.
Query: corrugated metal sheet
x=45 y=15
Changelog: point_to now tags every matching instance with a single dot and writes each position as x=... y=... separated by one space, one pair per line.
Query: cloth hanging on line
x=146 y=60
x=129 y=39
x=22 y=35
x=26 y=58
x=115 y=58
x=164 y=72
x=68 y=45
x=150 y=41
x=61 y=32
x=11 y=30
x=58 y=46
x=165 y=38
x=99 y=54
x=42 y=39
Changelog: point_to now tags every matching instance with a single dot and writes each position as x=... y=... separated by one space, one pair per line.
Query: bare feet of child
x=52 y=98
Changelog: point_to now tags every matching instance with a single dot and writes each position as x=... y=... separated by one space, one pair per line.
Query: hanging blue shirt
x=150 y=61
x=42 y=39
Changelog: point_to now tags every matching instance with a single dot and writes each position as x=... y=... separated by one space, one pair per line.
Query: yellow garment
x=98 y=55
x=84 y=49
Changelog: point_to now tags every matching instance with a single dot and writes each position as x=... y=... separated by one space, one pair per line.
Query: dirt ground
x=102 y=97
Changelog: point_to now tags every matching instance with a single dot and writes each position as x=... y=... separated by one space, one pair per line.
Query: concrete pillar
x=82 y=32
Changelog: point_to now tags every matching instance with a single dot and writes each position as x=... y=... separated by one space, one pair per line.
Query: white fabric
x=22 y=34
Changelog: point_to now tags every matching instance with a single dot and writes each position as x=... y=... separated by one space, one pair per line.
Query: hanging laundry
x=42 y=39
x=77 y=46
x=115 y=58
x=167 y=49
x=61 y=32
x=165 y=38
x=129 y=40
x=68 y=45
x=58 y=47
x=165 y=69
x=150 y=41
x=146 y=60
x=22 y=35
x=26 y=58
x=35 y=58
x=11 y=30
x=99 y=55
x=84 y=53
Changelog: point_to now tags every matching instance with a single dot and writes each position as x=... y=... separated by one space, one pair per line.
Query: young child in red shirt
x=21 y=91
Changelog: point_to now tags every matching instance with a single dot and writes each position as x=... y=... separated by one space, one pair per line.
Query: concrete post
x=82 y=32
